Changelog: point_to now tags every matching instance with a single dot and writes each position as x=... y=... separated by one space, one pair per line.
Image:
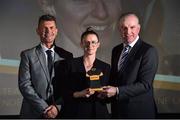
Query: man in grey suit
x=36 y=72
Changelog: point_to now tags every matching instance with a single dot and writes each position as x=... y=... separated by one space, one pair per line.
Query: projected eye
x=81 y=1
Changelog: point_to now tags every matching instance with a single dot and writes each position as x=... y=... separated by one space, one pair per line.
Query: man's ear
x=57 y=30
x=98 y=44
x=37 y=31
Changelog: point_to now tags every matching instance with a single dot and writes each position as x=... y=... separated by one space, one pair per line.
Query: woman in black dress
x=80 y=101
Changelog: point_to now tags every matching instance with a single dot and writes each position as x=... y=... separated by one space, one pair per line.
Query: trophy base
x=96 y=89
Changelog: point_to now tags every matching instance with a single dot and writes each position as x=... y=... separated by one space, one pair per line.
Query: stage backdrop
x=160 y=27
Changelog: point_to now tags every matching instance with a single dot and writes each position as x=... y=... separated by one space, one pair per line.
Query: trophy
x=94 y=76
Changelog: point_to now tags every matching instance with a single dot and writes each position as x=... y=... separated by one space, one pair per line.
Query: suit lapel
x=42 y=60
x=132 y=53
x=56 y=58
x=116 y=59
x=82 y=70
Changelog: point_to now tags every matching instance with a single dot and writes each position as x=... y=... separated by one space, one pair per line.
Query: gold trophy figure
x=94 y=76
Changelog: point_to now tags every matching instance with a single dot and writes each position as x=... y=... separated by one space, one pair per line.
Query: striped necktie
x=123 y=57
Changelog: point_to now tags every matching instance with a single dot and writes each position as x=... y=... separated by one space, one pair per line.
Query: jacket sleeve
x=26 y=87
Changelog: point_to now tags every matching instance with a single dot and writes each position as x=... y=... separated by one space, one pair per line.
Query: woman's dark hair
x=87 y=32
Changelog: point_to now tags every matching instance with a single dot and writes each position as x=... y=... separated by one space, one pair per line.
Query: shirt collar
x=133 y=43
x=45 y=48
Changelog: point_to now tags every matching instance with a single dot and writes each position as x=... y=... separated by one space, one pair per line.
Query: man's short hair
x=128 y=14
x=46 y=17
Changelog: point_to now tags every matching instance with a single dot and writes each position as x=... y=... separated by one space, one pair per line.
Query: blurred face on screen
x=76 y=15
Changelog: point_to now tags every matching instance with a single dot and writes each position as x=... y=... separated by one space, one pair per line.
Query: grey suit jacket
x=33 y=81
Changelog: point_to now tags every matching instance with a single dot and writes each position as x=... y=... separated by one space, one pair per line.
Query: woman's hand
x=84 y=93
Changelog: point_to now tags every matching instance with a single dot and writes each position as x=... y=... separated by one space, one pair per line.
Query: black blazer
x=59 y=67
x=63 y=53
x=75 y=80
x=135 y=82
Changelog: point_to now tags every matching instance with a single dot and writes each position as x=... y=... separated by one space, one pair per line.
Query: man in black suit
x=132 y=74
